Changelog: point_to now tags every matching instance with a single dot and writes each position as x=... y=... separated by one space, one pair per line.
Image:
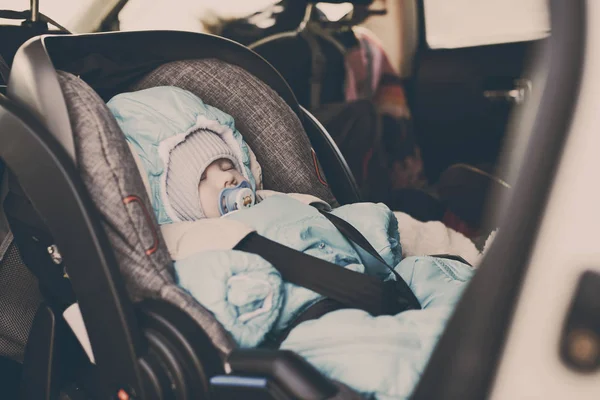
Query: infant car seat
x=79 y=214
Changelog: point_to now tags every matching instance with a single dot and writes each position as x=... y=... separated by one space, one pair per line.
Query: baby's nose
x=229 y=179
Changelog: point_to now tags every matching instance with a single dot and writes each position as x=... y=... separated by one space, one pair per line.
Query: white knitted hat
x=187 y=162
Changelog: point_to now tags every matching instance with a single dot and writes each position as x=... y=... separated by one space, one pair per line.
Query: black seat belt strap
x=348 y=287
x=360 y=244
x=451 y=257
x=371 y=258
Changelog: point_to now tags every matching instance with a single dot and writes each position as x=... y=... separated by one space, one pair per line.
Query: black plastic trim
x=339 y=177
x=41 y=365
x=185 y=350
x=154 y=48
x=288 y=370
x=464 y=363
x=51 y=182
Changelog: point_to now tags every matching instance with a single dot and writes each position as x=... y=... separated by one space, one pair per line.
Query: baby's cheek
x=209 y=203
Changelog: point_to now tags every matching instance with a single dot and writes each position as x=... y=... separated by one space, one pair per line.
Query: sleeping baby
x=205 y=185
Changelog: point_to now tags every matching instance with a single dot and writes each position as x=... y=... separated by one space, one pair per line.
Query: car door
x=469 y=73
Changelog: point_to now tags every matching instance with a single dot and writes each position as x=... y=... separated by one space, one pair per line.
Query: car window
x=465 y=23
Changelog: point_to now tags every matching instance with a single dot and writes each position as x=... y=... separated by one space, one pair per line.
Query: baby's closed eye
x=226 y=165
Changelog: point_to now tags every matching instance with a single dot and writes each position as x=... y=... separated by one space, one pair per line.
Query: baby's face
x=218 y=175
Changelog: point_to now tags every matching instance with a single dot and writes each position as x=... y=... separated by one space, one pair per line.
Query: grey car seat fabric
x=113 y=181
x=271 y=128
x=109 y=172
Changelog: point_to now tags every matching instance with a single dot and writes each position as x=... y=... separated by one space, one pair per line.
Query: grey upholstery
x=268 y=124
x=113 y=181
x=109 y=172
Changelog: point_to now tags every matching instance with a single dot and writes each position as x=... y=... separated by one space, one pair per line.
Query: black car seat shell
x=88 y=200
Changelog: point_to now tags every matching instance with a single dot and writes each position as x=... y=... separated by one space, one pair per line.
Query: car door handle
x=517 y=95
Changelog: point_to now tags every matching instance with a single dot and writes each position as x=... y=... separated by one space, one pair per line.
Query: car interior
x=454 y=118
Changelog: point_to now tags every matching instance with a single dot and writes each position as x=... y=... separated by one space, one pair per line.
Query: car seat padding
x=269 y=126
x=111 y=176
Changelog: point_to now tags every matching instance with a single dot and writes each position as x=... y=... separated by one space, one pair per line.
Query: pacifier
x=236 y=198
